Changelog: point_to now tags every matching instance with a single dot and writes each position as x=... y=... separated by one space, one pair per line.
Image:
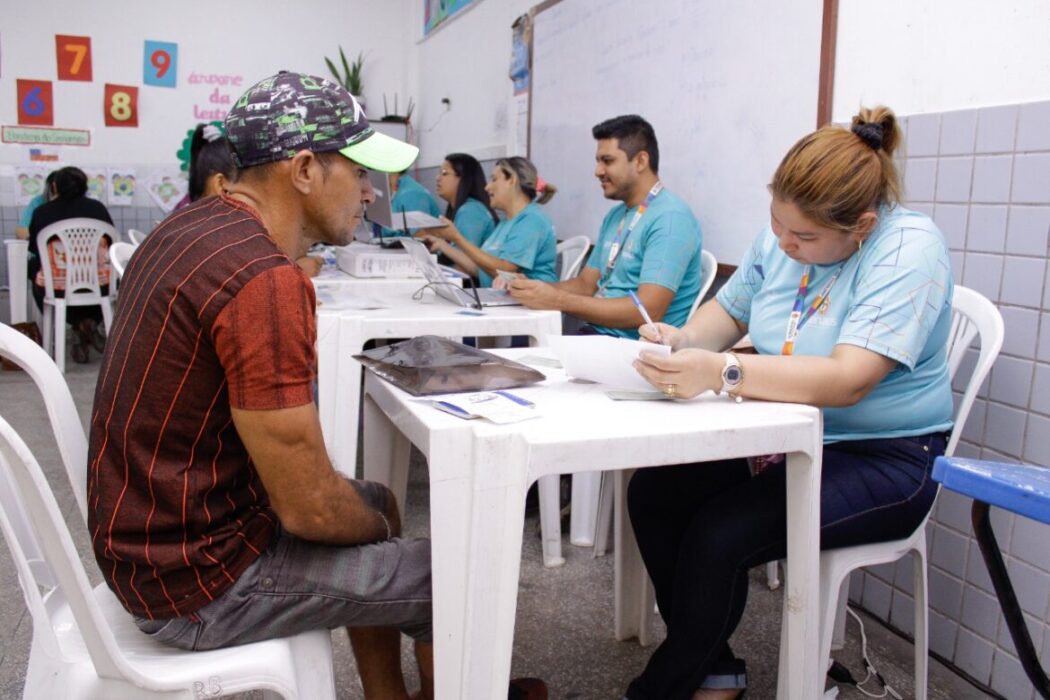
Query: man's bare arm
x=311 y=499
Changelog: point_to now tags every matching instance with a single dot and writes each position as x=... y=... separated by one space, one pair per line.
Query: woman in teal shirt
x=461 y=183
x=522 y=244
x=847 y=297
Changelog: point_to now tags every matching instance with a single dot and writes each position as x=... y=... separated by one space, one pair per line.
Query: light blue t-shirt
x=27 y=213
x=410 y=196
x=664 y=249
x=474 y=221
x=528 y=241
x=894 y=297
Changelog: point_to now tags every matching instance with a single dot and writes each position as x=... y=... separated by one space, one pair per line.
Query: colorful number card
x=121 y=105
x=160 y=60
x=74 y=57
x=35 y=105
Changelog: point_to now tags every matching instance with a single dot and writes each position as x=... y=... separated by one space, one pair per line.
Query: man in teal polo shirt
x=649 y=243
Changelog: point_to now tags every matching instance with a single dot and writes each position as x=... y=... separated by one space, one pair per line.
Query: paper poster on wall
x=121 y=105
x=73 y=55
x=45 y=135
x=121 y=186
x=96 y=181
x=521 y=37
x=29 y=182
x=35 y=105
x=160 y=62
x=166 y=186
x=437 y=11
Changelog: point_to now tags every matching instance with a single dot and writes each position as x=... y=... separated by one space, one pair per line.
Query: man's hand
x=534 y=294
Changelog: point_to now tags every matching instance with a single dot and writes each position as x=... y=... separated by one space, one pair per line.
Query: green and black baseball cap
x=290 y=112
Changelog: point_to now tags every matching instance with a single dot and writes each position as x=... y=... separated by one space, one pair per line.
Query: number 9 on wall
x=121 y=105
x=159 y=64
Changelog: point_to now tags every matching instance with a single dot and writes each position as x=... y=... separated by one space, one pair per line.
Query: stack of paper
x=605 y=359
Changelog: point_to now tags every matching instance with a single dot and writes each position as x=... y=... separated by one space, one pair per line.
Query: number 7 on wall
x=73 y=55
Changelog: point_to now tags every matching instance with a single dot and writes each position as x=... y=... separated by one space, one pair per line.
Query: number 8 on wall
x=121 y=105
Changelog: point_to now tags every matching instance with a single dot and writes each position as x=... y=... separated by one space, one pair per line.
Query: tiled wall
x=984 y=177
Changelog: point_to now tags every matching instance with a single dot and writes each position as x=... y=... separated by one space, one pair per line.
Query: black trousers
x=700 y=527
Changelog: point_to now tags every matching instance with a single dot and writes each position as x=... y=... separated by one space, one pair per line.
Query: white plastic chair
x=85 y=644
x=708 y=269
x=80 y=240
x=119 y=255
x=136 y=236
x=572 y=251
x=973 y=317
x=61 y=410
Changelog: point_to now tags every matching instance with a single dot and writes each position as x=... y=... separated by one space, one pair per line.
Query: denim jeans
x=700 y=527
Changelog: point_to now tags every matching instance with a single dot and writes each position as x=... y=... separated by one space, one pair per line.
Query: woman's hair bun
x=871 y=134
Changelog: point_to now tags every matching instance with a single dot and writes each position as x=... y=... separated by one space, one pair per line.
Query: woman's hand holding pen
x=663 y=334
x=691 y=371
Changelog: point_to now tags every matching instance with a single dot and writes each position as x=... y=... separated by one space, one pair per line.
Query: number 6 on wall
x=160 y=63
x=35 y=105
x=121 y=105
x=73 y=54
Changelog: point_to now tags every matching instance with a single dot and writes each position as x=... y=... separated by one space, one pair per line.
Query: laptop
x=380 y=212
x=473 y=297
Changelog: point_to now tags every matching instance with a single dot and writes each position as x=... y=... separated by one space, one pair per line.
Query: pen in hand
x=645 y=315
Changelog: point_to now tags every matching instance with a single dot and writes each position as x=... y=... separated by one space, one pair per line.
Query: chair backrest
x=61 y=410
x=80 y=239
x=973 y=317
x=33 y=526
x=119 y=255
x=136 y=236
x=571 y=252
x=708 y=268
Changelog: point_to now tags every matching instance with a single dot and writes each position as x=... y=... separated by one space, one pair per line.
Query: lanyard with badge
x=621 y=237
x=798 y=319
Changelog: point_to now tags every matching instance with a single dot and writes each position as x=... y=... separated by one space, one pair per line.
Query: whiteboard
x=728 y=85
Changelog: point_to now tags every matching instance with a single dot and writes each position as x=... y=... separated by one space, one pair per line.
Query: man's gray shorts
x=297 y=586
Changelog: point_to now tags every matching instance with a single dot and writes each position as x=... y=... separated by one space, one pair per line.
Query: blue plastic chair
x=1018 y=488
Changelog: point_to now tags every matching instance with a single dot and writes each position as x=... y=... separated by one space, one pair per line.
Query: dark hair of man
x=633 y=134
x=69 y=183
x=471 y=183
x=206 y=159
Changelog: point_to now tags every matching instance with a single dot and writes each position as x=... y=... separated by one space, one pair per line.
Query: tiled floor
x=564 y=623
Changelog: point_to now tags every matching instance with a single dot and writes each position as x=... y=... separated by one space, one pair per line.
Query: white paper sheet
x=604 y=359
x=328 y=300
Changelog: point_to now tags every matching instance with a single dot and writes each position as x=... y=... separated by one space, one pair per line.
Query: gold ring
x=670 y=389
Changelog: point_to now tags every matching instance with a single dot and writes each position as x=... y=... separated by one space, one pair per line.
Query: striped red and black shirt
x=211 y=314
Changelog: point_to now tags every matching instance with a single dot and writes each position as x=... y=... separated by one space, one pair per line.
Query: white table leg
x=339 y=387
x=386 y=452
x=800 y=675
x=629 y=581
x=492 y=567
x=586 y=487
x=17 y=263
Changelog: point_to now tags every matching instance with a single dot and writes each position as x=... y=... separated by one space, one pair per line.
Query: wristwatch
x=732 y=375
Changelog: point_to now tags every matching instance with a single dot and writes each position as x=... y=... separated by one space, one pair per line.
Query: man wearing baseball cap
x=215 y=514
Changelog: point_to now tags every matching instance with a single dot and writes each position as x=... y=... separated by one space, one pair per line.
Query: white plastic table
x=479 y=473
x=342 y=333
x=17 y=260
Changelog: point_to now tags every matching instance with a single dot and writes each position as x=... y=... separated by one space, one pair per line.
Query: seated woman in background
x=461 y=183
x=69 y=200
x=524 y=243
x=847 y=297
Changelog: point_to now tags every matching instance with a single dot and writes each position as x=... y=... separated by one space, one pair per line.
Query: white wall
x=941 y=55
x=236 y=37
x=467 y=61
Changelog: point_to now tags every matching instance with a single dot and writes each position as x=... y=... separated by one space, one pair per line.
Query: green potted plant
x=350 y=77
